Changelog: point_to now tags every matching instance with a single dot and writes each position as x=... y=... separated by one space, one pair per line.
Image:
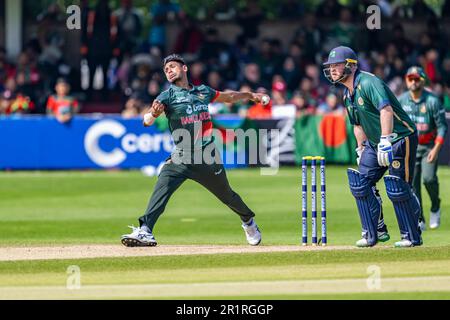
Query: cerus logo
x=129 y=142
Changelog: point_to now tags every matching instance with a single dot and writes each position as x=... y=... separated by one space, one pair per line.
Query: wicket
x=313 y=160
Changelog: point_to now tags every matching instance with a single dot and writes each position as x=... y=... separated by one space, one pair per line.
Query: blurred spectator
x=51 y=62
x=6 y=69
x=212 y=48
x=249 y=18
x=7 y=95
x=99 y=39
x=417 y=10
x=242 y=50
x=279 y=90
x=190 y=37
x=252 y=76
x=290 y=73
x=404 y=46
x=328 y=9
x=303 y=107
x=331 y=106
x=196 y=73
x=161 y=12
x=267 y=62
x=132 y=108
x=431 y=65
x=313 y=72
x=309 y=91
x=26 y=75
x=446 y=96
x=296 y=52
x=4 y=103
x=446 y=69
x=344 y=31
x=20 y=103
x=148 y=94
x=310 y=36
x=62 y=105
x=291 y=9
x=215 y=81
x=222 y=10
x=129 y=21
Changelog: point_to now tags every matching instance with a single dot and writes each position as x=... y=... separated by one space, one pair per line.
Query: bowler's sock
x=249 y=222
x=146 y=229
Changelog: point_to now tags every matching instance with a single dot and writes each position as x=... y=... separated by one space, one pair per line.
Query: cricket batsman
x=387 y=139
x=186 y=109
x=425 y=109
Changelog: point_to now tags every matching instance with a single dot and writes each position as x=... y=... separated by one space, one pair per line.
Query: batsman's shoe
x=363 y=243
x=435 y=219
x=252 y=233
x=405 y=243
x=383 y=236
x=422 y=225
x=138 y=238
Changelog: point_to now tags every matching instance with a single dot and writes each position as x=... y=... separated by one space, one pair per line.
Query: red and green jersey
x=188 y=110
x=370 y=96
x=428 y=115
x=61 y=105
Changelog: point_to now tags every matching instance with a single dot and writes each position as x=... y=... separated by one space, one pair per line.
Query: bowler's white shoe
x=422 y=225
x=138 y=238
x=252 y=233
x=435 y=219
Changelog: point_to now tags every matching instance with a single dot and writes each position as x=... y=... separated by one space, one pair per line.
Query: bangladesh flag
x=329 y=136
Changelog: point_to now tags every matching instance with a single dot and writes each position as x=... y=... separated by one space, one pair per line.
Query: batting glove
x=385 y=153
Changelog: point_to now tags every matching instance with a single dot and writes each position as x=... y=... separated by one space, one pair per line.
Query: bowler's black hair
x=174 y=57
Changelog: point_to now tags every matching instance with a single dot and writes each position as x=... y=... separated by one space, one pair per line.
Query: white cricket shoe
x=362 y=243
x=405 y=243
x=435 y=219
x=252 y=233
x=138 y=238
x=422 y=225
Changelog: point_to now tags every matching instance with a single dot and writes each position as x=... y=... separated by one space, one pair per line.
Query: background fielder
x=426 y=110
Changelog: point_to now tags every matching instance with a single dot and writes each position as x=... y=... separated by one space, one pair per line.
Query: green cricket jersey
x=370 y=95
x=188 y=109
x=428 y=115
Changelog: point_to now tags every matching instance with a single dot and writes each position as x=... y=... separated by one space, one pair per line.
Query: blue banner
x=33 y=142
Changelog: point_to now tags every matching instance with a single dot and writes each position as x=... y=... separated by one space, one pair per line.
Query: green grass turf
x=96 y=207
x=41 y=208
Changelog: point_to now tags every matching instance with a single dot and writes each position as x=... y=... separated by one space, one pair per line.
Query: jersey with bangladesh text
x=428 y=114
x=187 y=109
x=370 y=95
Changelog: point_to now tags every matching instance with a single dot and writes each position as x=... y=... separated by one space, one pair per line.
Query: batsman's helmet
x=340 y=54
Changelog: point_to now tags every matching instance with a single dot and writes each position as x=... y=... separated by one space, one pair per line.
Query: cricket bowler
x=186 y=109
x=427 y=112
x=387 y=139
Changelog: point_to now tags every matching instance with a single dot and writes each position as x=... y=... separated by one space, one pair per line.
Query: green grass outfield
x=87 y=208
